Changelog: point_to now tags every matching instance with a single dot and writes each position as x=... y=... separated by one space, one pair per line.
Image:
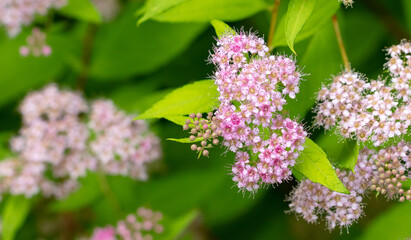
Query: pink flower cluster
x=36 y=44
x=311 y=200
x=140 y=226
x=253 y=86
x=362 y=110
x=370 y=110
x=56 y=145
x=17 y=13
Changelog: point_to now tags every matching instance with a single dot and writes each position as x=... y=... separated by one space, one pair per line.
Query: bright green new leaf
x=392 y=224
x=13 y=216
x=122 y=50
x=177 y=119
x=207 y=10
x=175 y=227
x=221 y=28
x=155 y=7
x=314 y=165
x=341 y=153
x=297 y=15
x=321 y=14
x=200 y=96
x=406 y=184
x=185 y=140
x=88 y=192
x=83 y=10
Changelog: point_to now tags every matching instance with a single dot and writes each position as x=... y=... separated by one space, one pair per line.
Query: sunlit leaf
x=314 y=165
x=14 y=214
x=82 y=10
x=297 y=15
x=200 y=96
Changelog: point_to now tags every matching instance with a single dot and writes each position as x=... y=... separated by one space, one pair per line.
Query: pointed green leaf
x=154 y=7
x=200 y=96
x=314 y=165
x=321 y=14
x=207 y=10
x=297 y=15
x=14 y=214
x=341 y=153
x=82 y=10
x=221 y=28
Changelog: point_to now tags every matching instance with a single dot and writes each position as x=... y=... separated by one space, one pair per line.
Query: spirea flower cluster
x=62 y=137
x=373 y=110
x=311 y=200
x=253 y=86
x=140 y=226
x=36 y=44
x=14 y=14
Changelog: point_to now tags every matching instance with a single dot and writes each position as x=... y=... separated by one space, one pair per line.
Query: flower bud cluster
x=62 y=138
x=36 y=44
x=204 y=130
x=141 y=226
x=14 y=14
x=392 y=166
x=311 y=200
x=253 y=86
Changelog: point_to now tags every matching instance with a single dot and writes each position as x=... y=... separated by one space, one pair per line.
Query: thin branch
x=108 y=192
x=88 y=42
x=341 y=43
x=273 y=23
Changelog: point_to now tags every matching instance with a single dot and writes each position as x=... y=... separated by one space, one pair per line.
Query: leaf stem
x=88 y=42
x=108 y=192
x=273 y=24
x=340 y=43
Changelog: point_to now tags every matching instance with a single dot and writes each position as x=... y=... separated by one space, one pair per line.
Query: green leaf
x=185 y=140
x=82 y=10
x=392 y=224
x=177 y=226
x=342 y=153
x=297 y=15
x=313 y=164
x=207 y=10
x=121 y=50
x=154 y=7
x=321 y=14
x=14 y=214
x=88 y=192
x=321 y=59
x=200 y=96
x=221 y=28
x=177 y=119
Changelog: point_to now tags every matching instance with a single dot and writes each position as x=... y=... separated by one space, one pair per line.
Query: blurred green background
x=136 y=65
